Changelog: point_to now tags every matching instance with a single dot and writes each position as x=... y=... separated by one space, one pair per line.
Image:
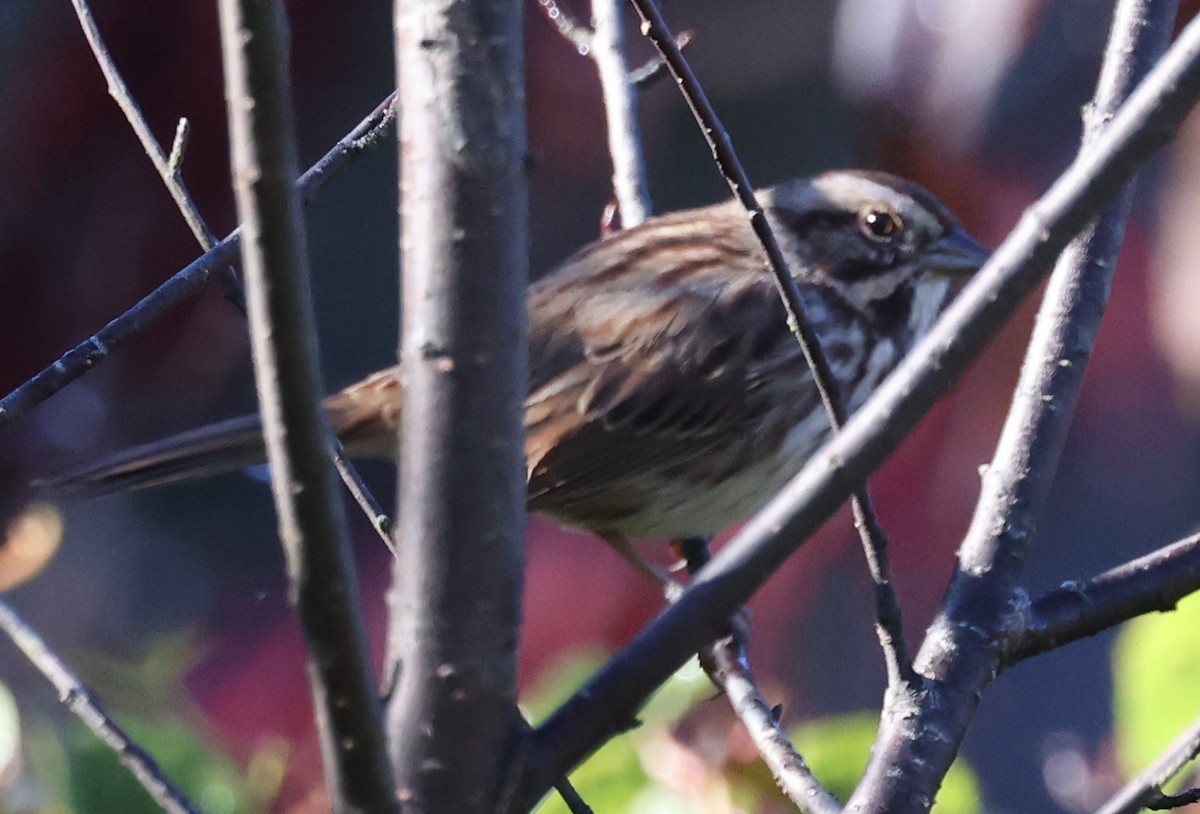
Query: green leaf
x=1156 y=670
x=614 y=778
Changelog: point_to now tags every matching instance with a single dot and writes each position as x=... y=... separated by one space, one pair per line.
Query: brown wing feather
x=638 y=378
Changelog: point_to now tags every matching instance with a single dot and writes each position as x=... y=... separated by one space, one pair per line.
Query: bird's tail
x=365 y=417
x=213 y=450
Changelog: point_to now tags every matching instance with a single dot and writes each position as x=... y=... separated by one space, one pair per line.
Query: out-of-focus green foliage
x=836 y=748
x=98 y=783
x=648 y=771
x=73 y=772
x=615 y=778
x=10 y=743
x=1156 y=670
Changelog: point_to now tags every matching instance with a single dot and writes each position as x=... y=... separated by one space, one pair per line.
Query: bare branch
x=183 y=132
x=983 y=605
x=727 y=665
x=169 y=170
x=609 y=701
x=1159 y=801
x=311 y=526
x=84 y=705
x=889 y=627
x=457 y=582
x=167 y=167
x=655 y=69
x=1145 y=790
x=575 y=803
x=1077 y=610
x=620 y=109
x=188 y=281
x=358 y=490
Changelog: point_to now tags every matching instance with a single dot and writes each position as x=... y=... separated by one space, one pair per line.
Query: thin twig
x=83 y=704
x=323 y=587
x=358 y=490
x=1076 y=610
x=620 y=110
x=655 y=68
x=1158 y=801
x=575 y=804
x=984 y=607
x=727 y=665
x=1143 y=789
x=186 y=282
x=889 y=626
x=166 y=168
x=169 y=170
x=183 y=132
x=609 y=701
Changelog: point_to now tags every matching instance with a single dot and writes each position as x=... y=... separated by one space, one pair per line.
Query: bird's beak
x=954 y=254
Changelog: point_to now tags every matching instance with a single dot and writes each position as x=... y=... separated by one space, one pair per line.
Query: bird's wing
x=628 y=381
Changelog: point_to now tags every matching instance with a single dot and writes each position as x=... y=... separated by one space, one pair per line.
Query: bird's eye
x=880 y=224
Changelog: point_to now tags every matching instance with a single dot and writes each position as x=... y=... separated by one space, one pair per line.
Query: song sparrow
x=667 y=397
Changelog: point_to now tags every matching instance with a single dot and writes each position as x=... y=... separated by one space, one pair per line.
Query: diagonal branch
x=311 y=526
x=610 y=700
x=168 y=170
x=1145 y=790
x=983 y=605
x=1077 y=610
x=889 y=626
x=727 y=665
x=80 y=701
x=725 y=661
x=188 y=281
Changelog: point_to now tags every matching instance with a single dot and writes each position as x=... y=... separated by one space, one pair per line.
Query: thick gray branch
x=919 y=738
x=456 y=589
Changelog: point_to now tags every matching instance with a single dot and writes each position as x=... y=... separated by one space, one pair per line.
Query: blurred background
x=172 y=603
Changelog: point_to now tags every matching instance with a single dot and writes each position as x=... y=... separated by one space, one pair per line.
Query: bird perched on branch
x=667 y=397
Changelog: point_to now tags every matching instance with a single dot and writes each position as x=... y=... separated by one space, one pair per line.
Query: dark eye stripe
x=837 y=244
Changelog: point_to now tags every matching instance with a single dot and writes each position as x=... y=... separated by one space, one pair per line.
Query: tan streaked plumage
x=667 y=397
